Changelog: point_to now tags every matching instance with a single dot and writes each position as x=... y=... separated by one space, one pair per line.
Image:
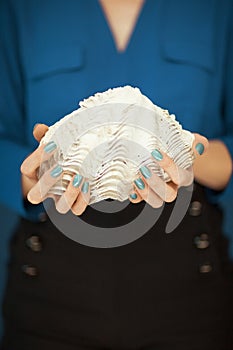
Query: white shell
x=110 y=137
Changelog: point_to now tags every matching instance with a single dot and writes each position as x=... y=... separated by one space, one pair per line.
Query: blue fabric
x=52 y=56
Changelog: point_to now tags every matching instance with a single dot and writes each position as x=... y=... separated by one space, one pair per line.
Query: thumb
x=200 y=144
x=39 y=131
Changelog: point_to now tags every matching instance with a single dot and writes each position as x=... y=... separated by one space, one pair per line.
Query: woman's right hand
x=77 y=195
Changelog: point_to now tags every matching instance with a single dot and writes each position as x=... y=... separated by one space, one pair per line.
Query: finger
x=42 y=187
x=135 y=196
x=167 y=164
x=167 y=191
x=147 y=194
x=178 y=175
x=39 y=131
x=33 y=161
x=200 y=145
x=68 y=198
x=83 y=199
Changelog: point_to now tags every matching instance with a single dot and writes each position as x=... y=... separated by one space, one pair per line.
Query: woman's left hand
x=154 y=190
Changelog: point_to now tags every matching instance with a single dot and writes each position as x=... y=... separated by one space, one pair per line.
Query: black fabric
x=147 y=295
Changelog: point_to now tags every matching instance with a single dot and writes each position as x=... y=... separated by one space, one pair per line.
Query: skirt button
x=201 y=241
x=205 y=268
x=195 y=208
x=34 y=243
x=30 y=270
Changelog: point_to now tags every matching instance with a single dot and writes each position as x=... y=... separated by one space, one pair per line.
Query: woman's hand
x=151 y=188
x=77 y=195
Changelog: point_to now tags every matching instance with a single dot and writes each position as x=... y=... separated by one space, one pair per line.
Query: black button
x=30 y=270
x=202 y=241
x=205 y=268
x=195 y=208
x=34 y=243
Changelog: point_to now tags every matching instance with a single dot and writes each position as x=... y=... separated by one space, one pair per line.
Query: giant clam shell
x=110 y=137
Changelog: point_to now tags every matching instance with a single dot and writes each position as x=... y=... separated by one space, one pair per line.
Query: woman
x=160 y=291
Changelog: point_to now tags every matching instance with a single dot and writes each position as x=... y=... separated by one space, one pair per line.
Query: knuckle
x=24 y=168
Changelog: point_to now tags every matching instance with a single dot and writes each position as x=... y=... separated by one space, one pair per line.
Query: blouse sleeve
x=227 y=114
x=13 y=141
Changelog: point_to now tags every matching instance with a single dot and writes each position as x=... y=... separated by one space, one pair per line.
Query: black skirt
x=161 y=291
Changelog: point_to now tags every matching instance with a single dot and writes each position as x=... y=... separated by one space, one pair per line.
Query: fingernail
x=56 y=171
x=145 y=172
x=139 y=183
x=77 y=180
x=133 y=195
x=85 y=187
x=200 y=148
x=156 y=154
x=50 y=147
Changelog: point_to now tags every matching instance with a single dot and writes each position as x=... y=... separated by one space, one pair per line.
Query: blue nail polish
x=133 y=195
x=156 y=154
x=139 y=183
x=145 y=172
x=200 y=148
x=77 y=180
x=50 y=147
x=85 y=187
x=56 y=171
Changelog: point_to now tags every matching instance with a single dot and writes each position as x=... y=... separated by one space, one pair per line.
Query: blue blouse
x=53 y=55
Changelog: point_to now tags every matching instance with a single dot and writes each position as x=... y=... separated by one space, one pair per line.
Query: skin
x=121 y=16
x=156 y=191
x=37 y=191
x=212 y=169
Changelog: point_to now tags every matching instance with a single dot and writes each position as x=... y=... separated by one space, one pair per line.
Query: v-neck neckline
x=133 y=33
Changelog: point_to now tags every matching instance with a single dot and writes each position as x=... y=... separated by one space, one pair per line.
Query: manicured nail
x=145 y=172
x=133 y=195
x=200 y=148
x=85 y=187
x=50 y=147
x=77 y=180
x=139 y=183
x=56 y=171
x=156 y=154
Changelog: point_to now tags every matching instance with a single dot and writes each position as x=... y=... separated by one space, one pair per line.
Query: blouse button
x=202 y=241
x=30 y=270
x=205 y=268
x=195 y=208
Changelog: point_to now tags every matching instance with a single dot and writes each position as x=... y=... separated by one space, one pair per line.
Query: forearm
x=214 y=168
